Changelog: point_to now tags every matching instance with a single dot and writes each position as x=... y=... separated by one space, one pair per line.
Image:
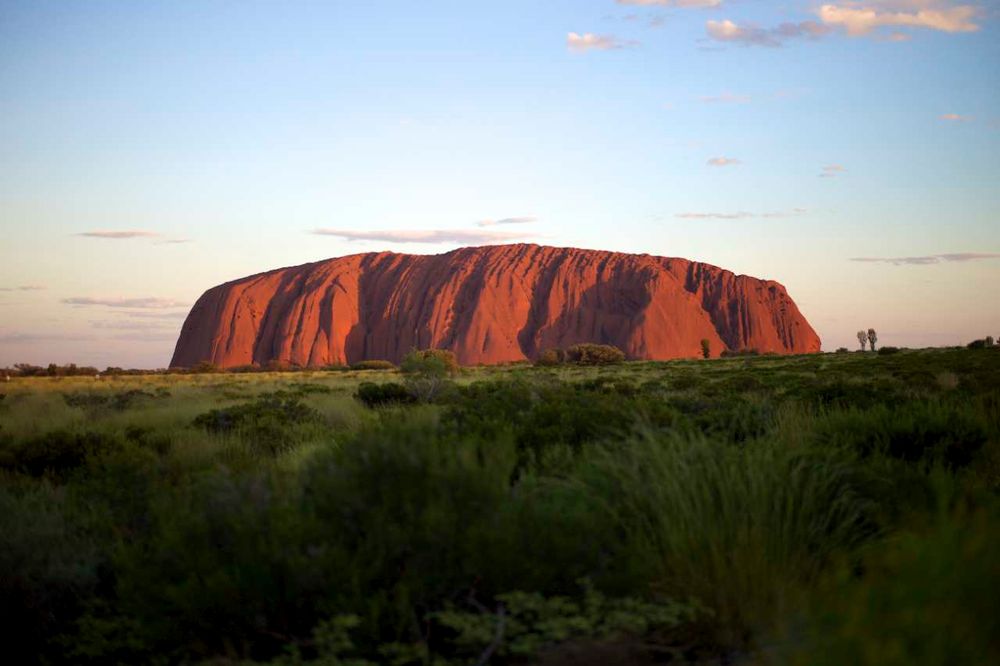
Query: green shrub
x=427 y=373
x=49 y=564
x=551 y=357
x=270 y=424
x=731 y=353
x=419 y=512
x=524 y=623
x=149 y=438
x=549 y=417
x=926 y=432
x=225 y=570
x=380 y=395
x=589 y=353
x=373 y=364
x=429 y=361
x=921 y=598
x=976 y=344
x=888 y=351
x=204 y=367
x=741 y=530
x=56 y=453
x=119 y=401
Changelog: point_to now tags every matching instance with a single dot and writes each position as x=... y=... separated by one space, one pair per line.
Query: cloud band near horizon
x=929 y=259
x=428 y=236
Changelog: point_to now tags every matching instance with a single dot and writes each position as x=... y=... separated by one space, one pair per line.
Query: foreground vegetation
x=838 y=508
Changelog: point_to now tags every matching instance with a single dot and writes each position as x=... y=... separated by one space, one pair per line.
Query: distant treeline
x=74 y=370
x=584 y=354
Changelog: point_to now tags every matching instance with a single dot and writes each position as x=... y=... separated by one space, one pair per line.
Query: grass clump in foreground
x=835 y=508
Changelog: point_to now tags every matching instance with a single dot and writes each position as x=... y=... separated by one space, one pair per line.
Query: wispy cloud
x=694 y=4
x=741 y=215
x=723 y=161
x=858 y=19
x=855 y=18
x=955 y=118
x=725 y=98
x=25 y=287
x=119 y=235
x=144 y=303
x=181 y=314
x=21 y=337
x=174 y=241
x=526 y=219
x=429 y=236
x=752 y=35
x=832 y=171
x=149 y=336
x=588 y=41
x=930 y=258
x=126 y=325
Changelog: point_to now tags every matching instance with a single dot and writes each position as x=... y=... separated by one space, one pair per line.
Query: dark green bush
x=56 y=453
x=919 y=598
x=119 y=401
x=48 y=565
x=929 y=432
x=429 y=361
x=381 y=395
x=548 y=417
x=149 y=438
x=738 y=528
x=270 y=424
x=225 y=570
x=888 y=351
x=244 y=369
x=730 y=353
x=373 y=364
x=306 y=388
x=532 y=622
x=589 y=353
x=551 y=357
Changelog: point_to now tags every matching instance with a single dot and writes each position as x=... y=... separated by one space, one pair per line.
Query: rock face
x=489 y=305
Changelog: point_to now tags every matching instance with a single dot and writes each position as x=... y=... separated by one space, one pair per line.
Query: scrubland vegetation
x=825 y=509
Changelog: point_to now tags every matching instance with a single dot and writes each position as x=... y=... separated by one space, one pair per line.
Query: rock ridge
x=491 y=304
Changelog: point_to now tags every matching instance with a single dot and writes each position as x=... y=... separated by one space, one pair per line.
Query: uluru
x=491 y=304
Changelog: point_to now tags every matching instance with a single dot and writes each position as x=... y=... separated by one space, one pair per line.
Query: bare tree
x=862 y=338
x=872 y=338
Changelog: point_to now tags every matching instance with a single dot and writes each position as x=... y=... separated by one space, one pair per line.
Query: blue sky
x=151 y=150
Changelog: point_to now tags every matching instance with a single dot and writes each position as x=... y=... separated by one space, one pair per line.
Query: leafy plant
x=589 y=353
x=524 y=623
x=374 y=364
x=380 y=395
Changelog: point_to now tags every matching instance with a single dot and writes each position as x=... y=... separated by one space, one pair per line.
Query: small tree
x=706 y=349
x=872 y=338
x=427 y=372
x=989 y=341
x=862 y=338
